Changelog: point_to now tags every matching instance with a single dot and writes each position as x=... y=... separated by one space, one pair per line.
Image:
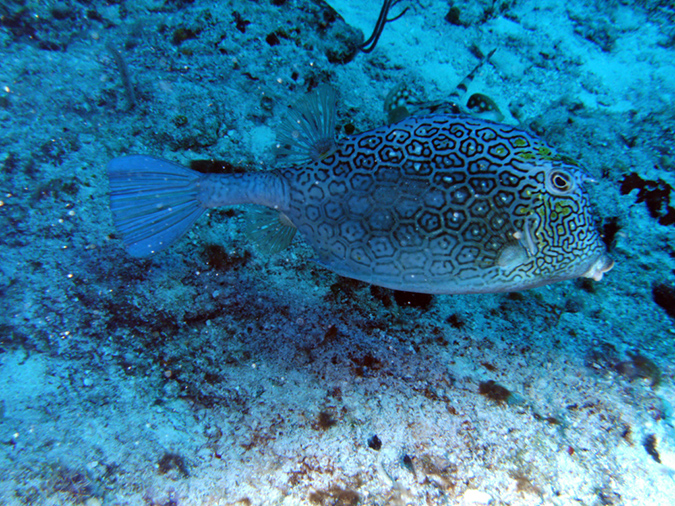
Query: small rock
x=473 y=496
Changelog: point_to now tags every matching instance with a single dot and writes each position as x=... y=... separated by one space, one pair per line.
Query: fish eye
x=560 y=181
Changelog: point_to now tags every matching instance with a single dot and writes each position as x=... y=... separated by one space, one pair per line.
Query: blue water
x=215 y=374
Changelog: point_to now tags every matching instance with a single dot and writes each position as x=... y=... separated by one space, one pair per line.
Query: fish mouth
x=601 y=265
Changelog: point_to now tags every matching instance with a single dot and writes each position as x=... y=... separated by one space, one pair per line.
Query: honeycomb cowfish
x=440 y=203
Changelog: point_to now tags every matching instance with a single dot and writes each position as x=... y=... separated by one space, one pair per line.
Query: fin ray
x=308 y=134
x=270 y=230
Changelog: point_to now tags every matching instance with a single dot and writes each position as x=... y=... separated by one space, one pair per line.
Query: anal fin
x=270 y=230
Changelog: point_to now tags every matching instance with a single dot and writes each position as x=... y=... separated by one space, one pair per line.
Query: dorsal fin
x=308 y=133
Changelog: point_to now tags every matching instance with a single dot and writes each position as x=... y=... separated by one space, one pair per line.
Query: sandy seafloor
x=212 y=374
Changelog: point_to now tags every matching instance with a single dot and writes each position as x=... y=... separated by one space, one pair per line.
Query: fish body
x=442 y=203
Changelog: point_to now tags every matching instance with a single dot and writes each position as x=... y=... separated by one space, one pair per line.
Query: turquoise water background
x=213 y=374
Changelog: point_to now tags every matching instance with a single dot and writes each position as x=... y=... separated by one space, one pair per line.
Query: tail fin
x=153 y=202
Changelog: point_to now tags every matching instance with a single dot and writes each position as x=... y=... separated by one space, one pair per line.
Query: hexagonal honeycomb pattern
x=430 y=203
